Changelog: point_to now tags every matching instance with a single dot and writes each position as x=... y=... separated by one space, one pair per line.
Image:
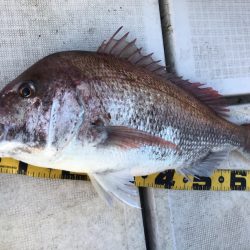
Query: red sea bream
x=114 y=114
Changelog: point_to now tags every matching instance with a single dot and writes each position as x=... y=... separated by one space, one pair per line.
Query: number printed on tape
x=223 y=180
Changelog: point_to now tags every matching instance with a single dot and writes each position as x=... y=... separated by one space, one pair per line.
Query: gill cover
x=66 y=117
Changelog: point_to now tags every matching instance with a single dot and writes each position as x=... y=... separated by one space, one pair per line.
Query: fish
x=114 y=114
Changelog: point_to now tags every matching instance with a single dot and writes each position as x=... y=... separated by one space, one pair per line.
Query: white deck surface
x=62 y=214
x=211 y=42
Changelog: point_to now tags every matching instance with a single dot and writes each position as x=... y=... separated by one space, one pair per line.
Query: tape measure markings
x=22 y=168
x=221 y=180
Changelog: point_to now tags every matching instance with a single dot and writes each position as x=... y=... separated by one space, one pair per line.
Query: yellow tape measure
x=221 y=180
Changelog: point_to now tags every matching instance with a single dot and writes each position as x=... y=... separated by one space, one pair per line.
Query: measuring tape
x=221 y=180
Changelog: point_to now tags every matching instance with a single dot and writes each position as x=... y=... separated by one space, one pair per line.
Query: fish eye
x=27 y=89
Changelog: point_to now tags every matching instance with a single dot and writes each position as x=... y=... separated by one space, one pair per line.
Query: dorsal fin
x=125 y=50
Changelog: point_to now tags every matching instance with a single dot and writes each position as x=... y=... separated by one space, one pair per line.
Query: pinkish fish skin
x=114 y=119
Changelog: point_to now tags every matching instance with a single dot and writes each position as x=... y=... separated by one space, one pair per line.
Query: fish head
x=40 y=109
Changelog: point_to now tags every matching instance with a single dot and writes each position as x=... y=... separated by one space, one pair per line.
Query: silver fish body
x=113 y=118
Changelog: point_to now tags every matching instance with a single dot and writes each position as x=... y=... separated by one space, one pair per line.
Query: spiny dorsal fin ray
x=121 y=48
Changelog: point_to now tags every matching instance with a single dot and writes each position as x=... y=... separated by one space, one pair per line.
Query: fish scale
x=143 y=111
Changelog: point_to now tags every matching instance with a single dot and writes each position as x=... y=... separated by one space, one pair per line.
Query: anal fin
x=206 y=165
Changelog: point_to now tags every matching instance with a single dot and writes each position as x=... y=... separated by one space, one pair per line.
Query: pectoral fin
x=125 y=137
